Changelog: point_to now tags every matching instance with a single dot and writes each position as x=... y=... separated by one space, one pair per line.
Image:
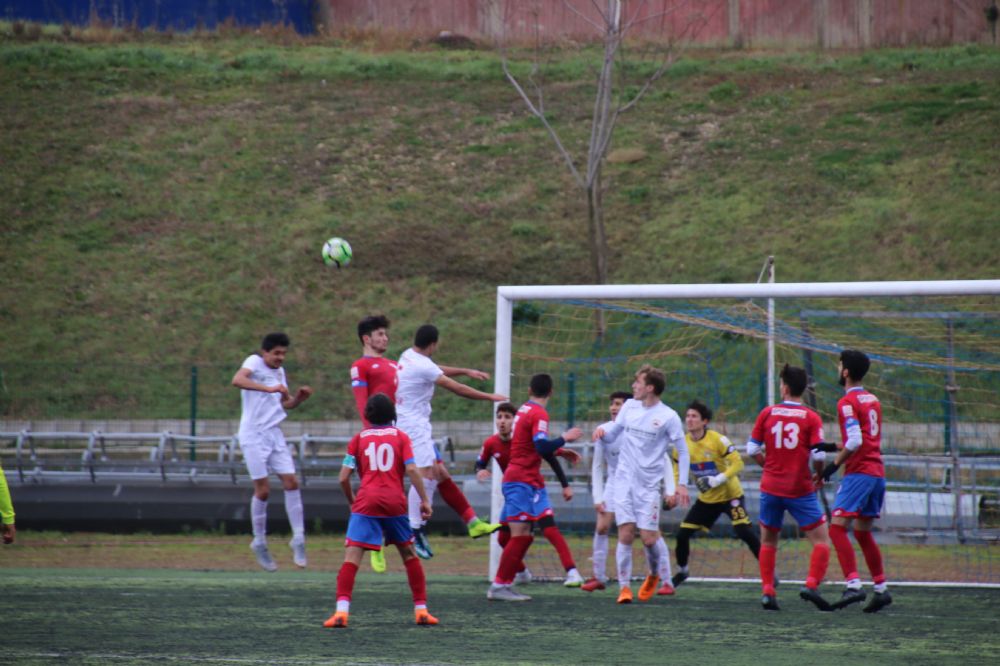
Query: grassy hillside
x=164 y=201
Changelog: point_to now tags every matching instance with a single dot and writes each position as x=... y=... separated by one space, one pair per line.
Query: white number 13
x=791 y=435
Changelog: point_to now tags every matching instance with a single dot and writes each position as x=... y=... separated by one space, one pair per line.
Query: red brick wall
x=763 y=23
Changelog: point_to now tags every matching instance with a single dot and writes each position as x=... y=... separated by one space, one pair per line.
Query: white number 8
x=873 y=423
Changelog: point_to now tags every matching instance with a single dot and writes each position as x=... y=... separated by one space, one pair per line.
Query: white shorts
x=424 y=452
x=639 y=505
x=264 y=451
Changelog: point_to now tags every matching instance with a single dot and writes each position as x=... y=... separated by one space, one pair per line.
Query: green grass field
x=95 y=616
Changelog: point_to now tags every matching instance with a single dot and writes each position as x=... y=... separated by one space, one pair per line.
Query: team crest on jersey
x=374 y=365
x=657 y=424
x=847 y=410
x=354 y=372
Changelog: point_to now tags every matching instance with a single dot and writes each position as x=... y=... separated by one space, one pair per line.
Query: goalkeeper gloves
x=706 y=483
x=829 y=471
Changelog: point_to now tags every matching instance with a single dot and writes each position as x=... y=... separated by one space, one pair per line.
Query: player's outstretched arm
x=242 y=380
x=458 y=388
x=472 y=373
x=300 y=396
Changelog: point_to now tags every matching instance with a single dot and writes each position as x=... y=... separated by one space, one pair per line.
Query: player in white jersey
x=605 y=455
x=648 y=429
x=265 y=397
x=418 y=375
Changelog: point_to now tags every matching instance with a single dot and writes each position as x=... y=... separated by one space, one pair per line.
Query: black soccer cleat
x=678 y=578
x=850 y=596
x=769 y=602
x=879 y=601
x=809 y=594
x=421 y=545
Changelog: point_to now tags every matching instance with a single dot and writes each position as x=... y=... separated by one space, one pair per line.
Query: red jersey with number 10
x=530 y=423
x=787 y=431
x=863 y=408
x=380 y=458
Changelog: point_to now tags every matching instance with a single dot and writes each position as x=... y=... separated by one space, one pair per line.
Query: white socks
x=343 y=606
x=600 y=558
x=663 y=560
x=623 y=554
x=258 y=518
x=413 y=502
x=293 y=507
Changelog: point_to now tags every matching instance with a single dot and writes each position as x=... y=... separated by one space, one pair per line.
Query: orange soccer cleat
x=648 y=588
x=424 y=618
x=336 y=621
x=625 y=595
x=666 y=590
x=592 y=585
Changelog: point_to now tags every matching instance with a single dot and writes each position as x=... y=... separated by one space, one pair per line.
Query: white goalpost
x=653 y=304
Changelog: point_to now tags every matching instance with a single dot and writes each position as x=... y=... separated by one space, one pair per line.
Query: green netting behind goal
x=935 y=368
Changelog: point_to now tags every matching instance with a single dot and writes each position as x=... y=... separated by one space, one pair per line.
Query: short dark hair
x=426 y=336
x=272 y=340
x=654 y=378
x=370 y=324
x=795 y=379
x=507 y=407
x=541 y=385
x=856 y=363
x=701 y=408
x=380 y=410
x=619 y=395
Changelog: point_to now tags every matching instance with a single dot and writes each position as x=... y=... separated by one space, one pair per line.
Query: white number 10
x=380 y=458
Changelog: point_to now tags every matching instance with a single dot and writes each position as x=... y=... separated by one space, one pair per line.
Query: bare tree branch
x=667 y=12
x=541 y=116
x=570 y=6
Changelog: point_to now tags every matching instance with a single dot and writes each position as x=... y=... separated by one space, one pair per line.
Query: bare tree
x=612 y=21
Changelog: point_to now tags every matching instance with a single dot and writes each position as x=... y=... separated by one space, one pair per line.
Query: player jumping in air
x=782 y=442
x=371 y=374
x=715 y=464
x=862 y=492
x=381 y=454
x=648 y=428
x=265 y=397
x=603 y=491
x=525 y=498
x=418 y=375
x=497 y=447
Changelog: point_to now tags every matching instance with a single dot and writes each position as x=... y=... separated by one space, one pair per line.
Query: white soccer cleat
x=523 y=577
x=573 y=579
x=505 y=593
x=298 y=546
x=263 y=556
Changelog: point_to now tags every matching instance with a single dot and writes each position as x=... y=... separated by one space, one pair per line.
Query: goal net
x=935 y=351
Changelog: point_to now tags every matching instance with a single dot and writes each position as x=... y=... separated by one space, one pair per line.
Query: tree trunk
x=598 y=243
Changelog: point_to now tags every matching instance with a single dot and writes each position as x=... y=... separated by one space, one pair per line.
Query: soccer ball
x=337 y=252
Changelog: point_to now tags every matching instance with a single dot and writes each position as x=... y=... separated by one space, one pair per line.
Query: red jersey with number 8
x=861 y=408
x=380 y=458
x=787 y=432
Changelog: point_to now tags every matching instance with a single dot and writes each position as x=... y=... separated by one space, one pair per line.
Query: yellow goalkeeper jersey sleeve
x=714 y=454
x=6 y=506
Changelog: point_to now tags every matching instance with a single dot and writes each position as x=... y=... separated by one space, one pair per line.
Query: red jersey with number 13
x=381 y=456
x=787 y=431
x=864 y=409
x=530 y=423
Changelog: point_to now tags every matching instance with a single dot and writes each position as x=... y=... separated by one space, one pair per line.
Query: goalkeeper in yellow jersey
x=715 y=464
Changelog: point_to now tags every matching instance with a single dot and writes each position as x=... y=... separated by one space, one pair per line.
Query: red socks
x=818 y=562
x=766 y=561
x=511 y=559
x=845 y=551
x=345 y=581
x=558 y=542
x=873 y=556
x=417 y=580
x=454 y=498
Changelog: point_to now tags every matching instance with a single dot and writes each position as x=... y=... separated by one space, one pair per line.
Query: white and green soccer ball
x=337 y=252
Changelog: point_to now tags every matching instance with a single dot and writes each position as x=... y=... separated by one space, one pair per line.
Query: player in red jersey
x=373 y=373
x=862 y=492
x=381 y=454
x=497 y=447
x=525 y=499
x=783 y=442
